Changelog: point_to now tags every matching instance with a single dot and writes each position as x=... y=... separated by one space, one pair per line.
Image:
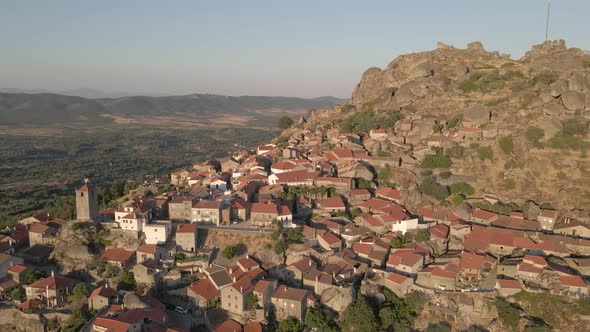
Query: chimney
x=47 y=291
x=247 y=256
x=234 y=279
x=310 y=262
x=241 y=289
x=52 y=273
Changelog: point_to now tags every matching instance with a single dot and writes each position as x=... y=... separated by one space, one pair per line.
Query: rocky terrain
x=532 y=113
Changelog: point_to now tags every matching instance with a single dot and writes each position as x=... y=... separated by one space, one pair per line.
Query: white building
x=157 y=233
x=133 y=217
x=404 y=226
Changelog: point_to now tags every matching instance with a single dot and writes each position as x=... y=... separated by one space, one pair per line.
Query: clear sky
x=249 y=47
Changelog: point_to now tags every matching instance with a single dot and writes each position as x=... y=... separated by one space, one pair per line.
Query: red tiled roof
x=86 y=187
x=104 y=292
x=148 y=248
x=483 y=214
x=375 y=204
x=290 y=293
x=389 y=193
x=264 y=208
x=332 y=202
x=229 y=325
x=18 y=268
x=186 y=228
x=359 y=192
x=471 y=261
x=247 y=263
x=304 y=264
x=204 y=288
x=509 y=283
x=441 y=231
x=548 y=213
x=330 y=238
x=262 y=285
x=571 y=280
x=537 y=260
x=204 y=204
x=397 y=279
x=117 y=255
x=362 y=248
x=54 y=282
x=253 y=327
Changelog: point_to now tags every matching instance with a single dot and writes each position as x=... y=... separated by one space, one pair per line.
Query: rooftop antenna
x=547 y=21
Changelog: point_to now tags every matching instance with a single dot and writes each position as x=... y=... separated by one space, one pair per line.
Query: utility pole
x=547 y=21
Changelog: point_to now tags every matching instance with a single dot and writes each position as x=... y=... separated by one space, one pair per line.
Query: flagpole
x=547 y=21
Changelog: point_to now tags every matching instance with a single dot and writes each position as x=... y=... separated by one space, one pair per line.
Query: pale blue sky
x=294 y=48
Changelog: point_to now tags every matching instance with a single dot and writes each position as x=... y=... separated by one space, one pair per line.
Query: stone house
x=329 y=241
x=102 y=297
x=508 y=287
x=120 y=257
x=547 y=219
x=234 y=299
x=240 y=209
x=179 y=177
x=573 y=228
x=53 y=290
x=317 y=281
x=398 y=284
x=291 y=302
x=157 y=233
x=296 y=270
x=186 y=237
x=574 y=286
x=179 y=208
x=18 y=272
x=330 y=205
x=207 y=212
x=151 y=251
x=439 y=276
x=263 y=214
x=269 y=193
x=483 y=216
x=41 y=234
x=147 y=272
x=203 y=293
x=263 y=291
x=359 y=195
x=405 y=262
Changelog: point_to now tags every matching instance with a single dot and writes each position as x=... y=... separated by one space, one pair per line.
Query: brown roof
x=186 y=228
x=253 y=327
x=571 y=280
x=86 y=187
x=39 y=228
x=262 y=285
x=471 y=261
x=104 y=292
x=229 y=325
x=148 y=248
x=53 y=282
x=509 y=283
x=18 y=268
x=548 y=213
x=204 y=288
x=441 y=231
x=483 y=214
x=389 y=193
x=397 y=278
x=204 y=204
x=331 y=202
x=330 y=238
x=290 y=293
x=304 y=264
x=264 y=208
x=117 y=255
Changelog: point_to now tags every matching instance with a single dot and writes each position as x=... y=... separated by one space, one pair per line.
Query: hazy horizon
x=263 y=48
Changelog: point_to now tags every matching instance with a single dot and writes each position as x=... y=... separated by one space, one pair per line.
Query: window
x=81 y=194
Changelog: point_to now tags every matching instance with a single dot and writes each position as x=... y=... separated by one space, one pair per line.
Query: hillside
x=517 y=129
x=47 y=108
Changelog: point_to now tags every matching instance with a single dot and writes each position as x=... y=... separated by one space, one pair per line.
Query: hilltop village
x=350 y=220
x=324 y=232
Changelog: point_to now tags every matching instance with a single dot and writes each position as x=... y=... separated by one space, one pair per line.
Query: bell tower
x=86 y=202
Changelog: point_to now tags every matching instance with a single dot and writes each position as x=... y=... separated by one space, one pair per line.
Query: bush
x=397 y=241
x=506 y=144
x=575 y=127
x=454 y=121
x=566 y=142
x=508 y=314
x=485 y=152
x=458 y=199
x=16 y=294
x=179 y=256
x=285 y=122
x=422 y=236
x=533 y=135
x=546 y=77
x=430 y=187
x=127 y=281
x=229 y=252
x=436 y=161
x=359 y=316
x=455 y=151
x=462 y=187
x=445 y=174
x=290 y=325
x=364 y=121
x=34 y=275
x=76 y=226
x=486 y=82
x=79 y=292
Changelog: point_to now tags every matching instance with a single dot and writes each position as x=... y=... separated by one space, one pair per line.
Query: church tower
x=86 y=202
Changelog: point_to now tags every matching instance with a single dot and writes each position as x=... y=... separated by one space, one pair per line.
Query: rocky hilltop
x=515 y=130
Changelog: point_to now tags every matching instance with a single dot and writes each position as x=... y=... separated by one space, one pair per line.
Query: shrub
x=506 y=144
x=575 y=126
x=76 y=226
x=285 y=122
x=508 y=314
x=485 y=152
x=533 y=135
x=546 y=77
x=454 y=121
x=229 y=252
x=455 y=151
x=436 y=161
x=430 y=187
x=422 y=236
x=179 y=256
x=397 y=241
x=458 y=199
x=127 y=280
x=445 y=174
x=462 y=187
x=566 y=142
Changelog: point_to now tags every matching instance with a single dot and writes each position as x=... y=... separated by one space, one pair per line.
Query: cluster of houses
x=349 y=235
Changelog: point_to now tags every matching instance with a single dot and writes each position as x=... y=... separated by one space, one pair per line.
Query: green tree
x=355 y=212
x=422 y=236
x=385 y=174
x=112 y=270
x=290 y=325
x=359 y=316
x=508 y=313
x=79 y=292
x=34 y=275
x=506 y=144
x=462 y=187
x=251 y=301
x=179 y=256
x=229 y=252
x=76 y=320
x=285 y=122
x=16 y=294
x=430 y=187
x=397 y=241
x=127 y=280
x=438 y=160
x=533 y=135
x=295 y=235
x=485 y=152
x=362 y=183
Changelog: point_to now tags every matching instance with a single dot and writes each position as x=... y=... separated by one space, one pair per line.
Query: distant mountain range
x=50 y=108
